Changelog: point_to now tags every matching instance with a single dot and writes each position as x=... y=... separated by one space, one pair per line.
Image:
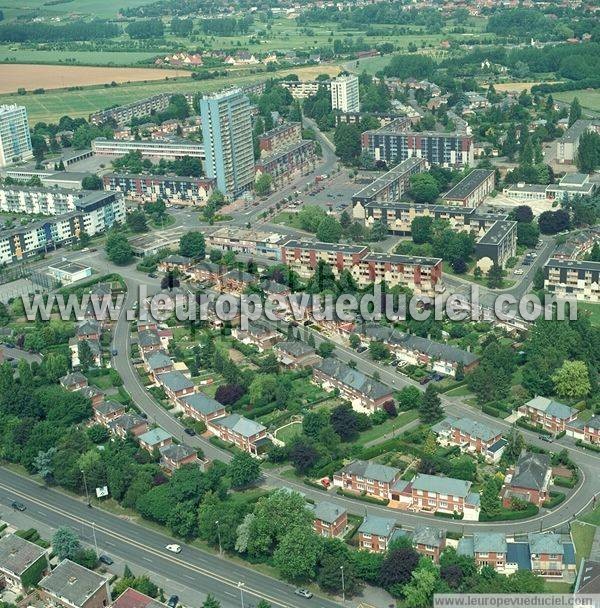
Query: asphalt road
x=120 y=537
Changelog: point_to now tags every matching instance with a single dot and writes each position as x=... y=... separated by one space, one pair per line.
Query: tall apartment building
x=344 y=94
x=227 y=133
x=395 y=143
x=15 y=139
x=279 y=137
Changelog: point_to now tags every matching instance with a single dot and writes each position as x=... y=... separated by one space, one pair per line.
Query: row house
x=288 y=160
x=175 y=262
x=74 y=381
x=128 y=423
x=107 y=411
x=436 y=356
x=364 y=393
x=432 y=494
x=471 y=436
x=245 y=434
x=201 y=407
x=22 y=564
x=176 y=385
x=376 y=533
x=487 y=548
x=529 y=480
x=173 y=456
x=203 y=272
x=70 y=585
x=294 y=354
x=330 y=520
x=236 y=281
x=155 y=439
x=366 y=477
x=258 y=335
x=551 y=415
x=591 y=430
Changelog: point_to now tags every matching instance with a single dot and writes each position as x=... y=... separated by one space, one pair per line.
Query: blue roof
x=466 y=546
x=569 y=555
x=518 y=553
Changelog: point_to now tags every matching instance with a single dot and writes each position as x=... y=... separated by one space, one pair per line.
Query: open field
x=13 y=77
x=10 y=54
x=52 y=105
x=515 y=86
x=588 y=98
x=98 y=8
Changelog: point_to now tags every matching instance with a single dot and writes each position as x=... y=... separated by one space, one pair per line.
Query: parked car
x=18 y=506
x=424 y=380
x=518 y=271
x=189 y=431
x=173 y=548
x=546 y=438
x=303 y=593
x=173 y=601
x=105 y=559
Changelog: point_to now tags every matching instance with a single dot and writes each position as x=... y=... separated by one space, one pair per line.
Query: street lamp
x=219 y=535
x=87 y=494
x=241 y=588
x=343 y=585
x=94 y=534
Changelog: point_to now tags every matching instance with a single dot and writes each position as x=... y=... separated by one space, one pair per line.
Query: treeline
x=132 y=162
x=149 y=28
x=41 y=32
x=172 y=7
x=226 y=26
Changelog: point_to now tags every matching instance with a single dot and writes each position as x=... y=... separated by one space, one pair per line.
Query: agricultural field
x=51 y=106
x=588 y=98
x=12 y=54
x=97 y=8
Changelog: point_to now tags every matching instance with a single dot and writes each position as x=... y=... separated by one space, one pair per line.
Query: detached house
x=591 y=430
x=174 y=456
x=364 y=393
x=94 y=394
x=175 y=262
x=529 y=480
x=176 y=385
x=549 y=414
x=370 y=478
x=487 y=548
x=22 y=564
x=70 y=585
x=201 y=407
x=429 y=541
x=471 y=436
x=294 y=354
x=158 y=362
x=246 y=434
x=550 y=556
x=74 y=381
x=88 y=330
x=330 y=519
x=376 y=533
x=258 y=335
x=155 y=439
x=107 y=411
x=128 y=423
x=131 y=598
x=148 y=341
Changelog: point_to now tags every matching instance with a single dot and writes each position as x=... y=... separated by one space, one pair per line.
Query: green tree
x=420 y=229
x=91 y=182
x=490 y=497
x=378 y=350
x=192 y=245
x=538 y=279
x=118 y=249
x=298 y=554
x=329 y=230
x=572 y=380
x=430 y=408
x=495 y=276
x=243 y=470
x=588 y=152
x=575 y=112
x=326 y=349
x=354 y=341
x=347 y=142
x=424 y=188
x=419 y=591
x=514 y=446
x=527 y=234
x=136 y=221
x=263 y=184
x=65 y=544
x=211 y=602
x=85 y=355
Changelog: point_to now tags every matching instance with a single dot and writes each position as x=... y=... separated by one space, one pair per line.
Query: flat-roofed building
x=22 y=563
x=345 y=93
x=471 y=190
x=499 y=243
x=287 y=160
x=170 y=149
x=573 y=278
x=280 y=137
x=304 y=256
x=568 y=144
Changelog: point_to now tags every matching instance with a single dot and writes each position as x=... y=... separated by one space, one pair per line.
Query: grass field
x=288 y=432
x=98 y=8
x=593 y=309
x=583 y=537
x=588 y=98
x=593 y=517
x=8 y=54
x=52 y=105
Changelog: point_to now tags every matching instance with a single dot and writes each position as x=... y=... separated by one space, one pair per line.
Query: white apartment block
x=15 y=139
x=344 y=94
x=573 y=279
x=169 y=149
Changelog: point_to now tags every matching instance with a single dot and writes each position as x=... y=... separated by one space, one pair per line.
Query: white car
x=519 y=271
x=173 y=548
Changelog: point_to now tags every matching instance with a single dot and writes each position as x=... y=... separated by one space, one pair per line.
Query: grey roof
x=158 y=360
x=551 y=407
x=574 y=264
x=319 y=246
x=73 y=378
x=468 y=184
x=380 y=526
x=175 y=381
x=531 y=470
x=428 y=535
x=518 y=553
x=498 y=445
x=90 y=391
x=154 y=436
x=274 y=287
x=371 y=470
x=239 y=424
x=239 y=275
x=177 y=451
x=475 y=429
x=466 y=546
x=72 y=582
x=17 y=554
x=473 y=498
x=148 y=337
x=396 y=258
x=202 y=403
x=177 y=259
x=489 y=542
x=110 y=407
x=126 y=422
x=328 y=511
x=545 y=542
x=569 y=554
x=89 y=326
x=594 y=422
x=498 y=232
x=353 y=378
x=442 y=485
x=295 y=348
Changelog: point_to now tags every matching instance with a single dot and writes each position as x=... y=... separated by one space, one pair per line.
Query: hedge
x=491 y=411
x=555 y=499
x=314 y=484
x=565 y=482
x=587 y=446
x=533 y=428
x=370 y=499
x=454 y=515
x=507 y=515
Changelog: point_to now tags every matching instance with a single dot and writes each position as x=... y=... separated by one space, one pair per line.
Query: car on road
x=402 y=364
x=114 y=352
x=173 y=601
x=152 y=275
x=105 y=559
x=546 y=438
x=519 y=271
x=18 y=506
x=188 y=431
x=361 y=349
x=173 y=548
x=303 y=593
x=424 y=380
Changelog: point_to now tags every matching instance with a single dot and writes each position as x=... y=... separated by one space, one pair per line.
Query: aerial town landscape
x=299 y=303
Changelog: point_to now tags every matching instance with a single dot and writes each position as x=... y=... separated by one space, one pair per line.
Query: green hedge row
x=507 y=515
x=364 y=498
x=555 y=499
x=565 y=482
x=530 y=427
x=587 y=446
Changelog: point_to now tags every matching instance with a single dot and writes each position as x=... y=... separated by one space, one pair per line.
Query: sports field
x=50 y=106
x=588 y=98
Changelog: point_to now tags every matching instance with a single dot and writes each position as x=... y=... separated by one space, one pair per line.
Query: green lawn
x=97 y=8
x=583 y=536
x=10 y=54
x=459 y=391
x=387 y=427
x=588 y=98
x=288 y=432
x=593 y=517
x=592 y=309
x=556 y=587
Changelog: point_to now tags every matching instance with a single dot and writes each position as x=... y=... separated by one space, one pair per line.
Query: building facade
x=573 y=278
x=471 y=190
x=15 y=138
x=345 y=94
x=170 y=149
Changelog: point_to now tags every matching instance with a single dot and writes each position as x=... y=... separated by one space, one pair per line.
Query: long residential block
x=156 y=148
x=471 y=190
x=573 y=278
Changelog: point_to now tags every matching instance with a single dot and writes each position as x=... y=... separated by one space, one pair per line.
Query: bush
x=490 y=411
x=364 y=498
x=507 y=515
x=565 y=482
x=555 y=499
x=587 y=446
x=531 y=427
x=454 y=515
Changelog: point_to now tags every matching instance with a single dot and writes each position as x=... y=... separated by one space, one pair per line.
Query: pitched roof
x=18 y=554
x=175 y=381
x=239 y=424
x=155 y=436
x=126 y=422
x=489 y=542
x=148 y=337
x=594 y=422
x=475 y=429
x=73 y=378
x=353 y=379
x=428 y=535
x=531 y=471
x=441 y=485
x=90 y=391
x=328 y=511
x=177 y=451
x=371 y=470
x=89 y=326
x=158 y=360
x=380 y=526
x=177 y=259
x=72 y=582
x=518 y=553
x=295 y=348
x=551 y=407
x=202 y=403
x=110 y=407
x=545 y=542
